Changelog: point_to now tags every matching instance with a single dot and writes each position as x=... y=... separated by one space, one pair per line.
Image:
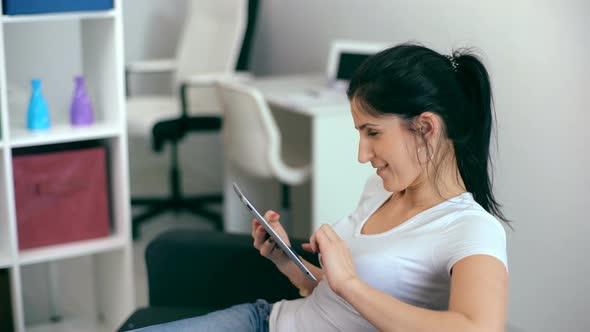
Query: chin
x=389 y=186
x=392 y=185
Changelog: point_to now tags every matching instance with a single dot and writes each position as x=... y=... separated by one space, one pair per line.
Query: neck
x=427 y=191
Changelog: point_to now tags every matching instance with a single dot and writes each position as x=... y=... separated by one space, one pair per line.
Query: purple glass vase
x=81 y=113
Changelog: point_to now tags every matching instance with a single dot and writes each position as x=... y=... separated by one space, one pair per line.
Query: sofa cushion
x=212 y=269
x=143 y=317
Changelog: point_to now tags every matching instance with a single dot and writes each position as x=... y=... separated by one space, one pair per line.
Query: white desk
x=317 y=121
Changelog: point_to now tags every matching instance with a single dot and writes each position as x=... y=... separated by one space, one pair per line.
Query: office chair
x=215 y=44
x=252 y=142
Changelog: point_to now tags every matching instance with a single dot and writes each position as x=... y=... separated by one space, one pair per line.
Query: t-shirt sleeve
x=373 y=186
x=475 y=235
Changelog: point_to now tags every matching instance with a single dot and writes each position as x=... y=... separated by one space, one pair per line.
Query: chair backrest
x=212 y=37
x=244 y=58
x=251 y=138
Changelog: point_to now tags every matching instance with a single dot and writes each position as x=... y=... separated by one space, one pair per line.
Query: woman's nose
x=365 y=151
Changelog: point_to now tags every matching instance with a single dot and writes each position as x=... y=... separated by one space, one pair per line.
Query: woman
x=423 y=250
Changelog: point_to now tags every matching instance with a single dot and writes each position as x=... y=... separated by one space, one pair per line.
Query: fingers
x=262 y=240
x=323 y=237
x=313 y=244
x=268 y=247
x=255 y=225
x=259 y=234
x=317 y=239
x=328 y=232
x=271 y=216
x=307 y=247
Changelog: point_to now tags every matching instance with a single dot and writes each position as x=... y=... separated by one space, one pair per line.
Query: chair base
x=196 y=205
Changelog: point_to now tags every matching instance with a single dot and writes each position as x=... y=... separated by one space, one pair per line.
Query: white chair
x=252 y=140
x=208 y=51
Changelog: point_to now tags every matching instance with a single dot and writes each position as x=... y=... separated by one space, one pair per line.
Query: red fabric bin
x=61 y=196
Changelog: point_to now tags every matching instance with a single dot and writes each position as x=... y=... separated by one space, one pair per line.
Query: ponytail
x=473 y=152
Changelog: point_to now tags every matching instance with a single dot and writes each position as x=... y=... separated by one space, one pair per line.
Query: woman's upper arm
x=479 y=291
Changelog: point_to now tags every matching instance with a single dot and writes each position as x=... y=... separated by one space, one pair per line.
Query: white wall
x=539 y=59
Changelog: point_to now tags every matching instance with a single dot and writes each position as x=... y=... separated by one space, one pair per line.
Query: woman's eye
x=372 y=133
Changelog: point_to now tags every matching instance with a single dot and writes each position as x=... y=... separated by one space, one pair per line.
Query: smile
x=380 y=169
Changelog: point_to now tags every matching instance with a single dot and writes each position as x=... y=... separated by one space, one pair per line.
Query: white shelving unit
x=105 y=279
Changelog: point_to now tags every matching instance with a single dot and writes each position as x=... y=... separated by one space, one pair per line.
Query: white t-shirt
x=411 y=262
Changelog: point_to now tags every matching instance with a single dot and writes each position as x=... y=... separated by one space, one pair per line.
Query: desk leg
x=338 y=177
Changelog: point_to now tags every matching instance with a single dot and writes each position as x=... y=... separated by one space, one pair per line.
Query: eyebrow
x=364 y=125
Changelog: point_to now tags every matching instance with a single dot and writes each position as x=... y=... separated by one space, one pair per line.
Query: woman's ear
x=428 y=125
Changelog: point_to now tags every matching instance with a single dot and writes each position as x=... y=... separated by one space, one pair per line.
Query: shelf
x=61 y=133
x=59 y=16
x=70 y=325
x=94 y=276
x=70 y=250
x=5 y=261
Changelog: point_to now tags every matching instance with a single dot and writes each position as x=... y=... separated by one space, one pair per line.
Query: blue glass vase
x=38 y=112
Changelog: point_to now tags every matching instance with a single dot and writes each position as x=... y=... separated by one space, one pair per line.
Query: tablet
x=286 y=249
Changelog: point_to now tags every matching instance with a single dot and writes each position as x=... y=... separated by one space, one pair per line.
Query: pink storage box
x=61 y=196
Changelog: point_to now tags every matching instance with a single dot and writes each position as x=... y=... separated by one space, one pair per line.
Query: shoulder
x=475 y=224
x=472 y=231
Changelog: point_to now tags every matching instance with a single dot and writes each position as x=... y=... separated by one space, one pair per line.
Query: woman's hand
x=265 y=244
x=335 y=257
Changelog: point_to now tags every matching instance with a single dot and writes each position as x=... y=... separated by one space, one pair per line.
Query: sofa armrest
x=192 y=268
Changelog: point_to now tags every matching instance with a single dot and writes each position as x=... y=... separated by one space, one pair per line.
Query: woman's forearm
x=387 y=313
x=299 y=279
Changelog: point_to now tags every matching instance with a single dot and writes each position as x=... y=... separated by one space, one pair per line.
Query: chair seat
x=143 y=112
x=173 y=130
x=291 y=175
